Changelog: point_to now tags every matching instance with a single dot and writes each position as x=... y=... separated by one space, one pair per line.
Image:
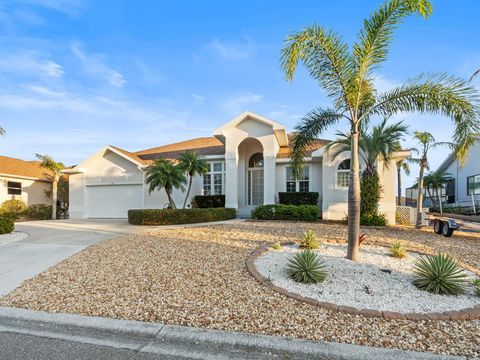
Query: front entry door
x=255 y=187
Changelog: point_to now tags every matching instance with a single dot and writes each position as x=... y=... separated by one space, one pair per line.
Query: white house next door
x=255 y=187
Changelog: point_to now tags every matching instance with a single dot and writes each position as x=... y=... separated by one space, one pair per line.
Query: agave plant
x=306 y=267
x=476 y=284
x=439 y=274
x=398 y=250
x=309 y=240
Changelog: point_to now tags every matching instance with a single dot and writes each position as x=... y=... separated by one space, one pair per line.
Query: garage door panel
x=113 y=201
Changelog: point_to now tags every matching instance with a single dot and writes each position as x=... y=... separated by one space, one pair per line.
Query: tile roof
x=18 y=167
x=204 y=146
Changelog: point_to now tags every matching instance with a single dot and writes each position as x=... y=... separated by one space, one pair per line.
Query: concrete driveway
x=50 y=242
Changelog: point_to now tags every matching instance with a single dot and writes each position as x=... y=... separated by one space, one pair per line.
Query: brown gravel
x=197 y=277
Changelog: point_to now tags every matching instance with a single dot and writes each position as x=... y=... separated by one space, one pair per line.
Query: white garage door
x=113 y=201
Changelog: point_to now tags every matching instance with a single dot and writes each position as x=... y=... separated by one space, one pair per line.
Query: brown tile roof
x=203 y=146
x=284 y=151
x=18 y=167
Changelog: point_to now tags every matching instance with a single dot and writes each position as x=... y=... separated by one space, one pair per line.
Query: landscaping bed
x=198 y=277
x=378 y=281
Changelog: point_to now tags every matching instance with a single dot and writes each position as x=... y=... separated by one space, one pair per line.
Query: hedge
x=179 y=216
x=6 y=225
x=298 y=198
x=39 y=212
x=209 y=201
x=286 y=212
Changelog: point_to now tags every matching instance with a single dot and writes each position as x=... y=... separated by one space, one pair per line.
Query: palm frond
x=325 y=56
x=47 y=162
x=437 y=94
x=476 y=73
x=309 y=128
x=371 y=49
x=2 y=131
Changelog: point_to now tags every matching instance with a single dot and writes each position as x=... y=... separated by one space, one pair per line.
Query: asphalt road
x=15 y=346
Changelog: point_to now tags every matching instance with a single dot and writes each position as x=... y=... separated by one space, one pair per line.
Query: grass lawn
x=197 y=277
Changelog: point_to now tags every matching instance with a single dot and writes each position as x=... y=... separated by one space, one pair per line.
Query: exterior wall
x=33 y=192
x=387 y=204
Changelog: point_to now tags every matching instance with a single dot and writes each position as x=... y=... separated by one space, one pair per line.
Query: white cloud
x=239 y=102
x=30 y=63
x=68 y=7
x=383 y=84
x=94 y=64
x=198 y=98
x=231 y=50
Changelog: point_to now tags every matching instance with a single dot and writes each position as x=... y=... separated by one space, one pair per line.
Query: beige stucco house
x=24 y=180
x=248 y=161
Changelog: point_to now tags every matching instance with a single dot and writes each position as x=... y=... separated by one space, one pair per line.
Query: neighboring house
x=465 y=185
x=248 y=162
x=24 y=180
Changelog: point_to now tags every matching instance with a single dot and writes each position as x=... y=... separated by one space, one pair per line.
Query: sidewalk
x=121 y=339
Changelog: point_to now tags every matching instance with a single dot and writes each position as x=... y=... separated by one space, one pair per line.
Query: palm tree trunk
x=188 y=191
x=354 y=199
x=170 y=199
x=418 y=224
x=399 y=185
x=54 y=198
x=430 y=195
x=439 y=201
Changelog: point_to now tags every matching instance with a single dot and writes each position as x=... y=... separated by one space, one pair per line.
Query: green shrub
x=39 y=212
x=439 y=274
x=286 y=212
x=179 y=216
x=6 y=225
x=298 y=198
x=13 y=208
x=209 y=201
x=309 y=240
x=277 y=246
x=370 y=190
x=373 y=220
x=306 y=267
x=398 y=250
x=476 y=284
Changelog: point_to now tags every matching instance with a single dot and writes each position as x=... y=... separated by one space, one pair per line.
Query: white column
x=231 y=180
x=269 y=180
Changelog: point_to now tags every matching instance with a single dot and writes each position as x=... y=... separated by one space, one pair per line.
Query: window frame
x=10 y=187
x=343 y=171
x=289 y=180
x=210 y=176
x=469 y=193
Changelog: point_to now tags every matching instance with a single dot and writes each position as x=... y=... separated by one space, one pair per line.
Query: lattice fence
x=407 y=215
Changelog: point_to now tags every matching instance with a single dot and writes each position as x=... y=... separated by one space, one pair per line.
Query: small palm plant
x=306 y=267
x=309 y=240
x=439 y=274
x=55 y=173
x=476 y=284
x=398 y=250
x=193 y=165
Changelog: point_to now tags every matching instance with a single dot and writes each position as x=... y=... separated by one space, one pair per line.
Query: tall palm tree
x=55 y=168
x=347 y=77
x=436 y=181
x=402 y=164
x=164 y=174
x=426 y=142
x=381 y=143
x=192 y=165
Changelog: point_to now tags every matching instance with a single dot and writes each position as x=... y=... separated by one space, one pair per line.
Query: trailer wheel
x=447 y=231
x=437 y=227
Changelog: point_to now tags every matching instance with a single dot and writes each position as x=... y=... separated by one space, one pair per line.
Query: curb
x=472 y=313
x=188 y=342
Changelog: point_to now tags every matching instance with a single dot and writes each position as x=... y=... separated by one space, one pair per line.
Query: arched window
x=343 y=174
x=256 y=160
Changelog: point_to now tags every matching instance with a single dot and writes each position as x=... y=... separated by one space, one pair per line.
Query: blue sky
x=76 y=75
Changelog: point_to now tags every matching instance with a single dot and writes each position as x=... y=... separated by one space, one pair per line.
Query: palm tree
x=55 y=169
x=426 y=142
x=436 y=181
x=347 y=77
x=163 y=174
x=192 y=165
x=475 y=74
x=381 y=143
x=402 y=164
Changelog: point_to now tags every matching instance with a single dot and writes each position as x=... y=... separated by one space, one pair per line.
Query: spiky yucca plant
x=306 y=267
x=476 y=284
x=439 y=274
x=398 y=250
x=309 y=240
